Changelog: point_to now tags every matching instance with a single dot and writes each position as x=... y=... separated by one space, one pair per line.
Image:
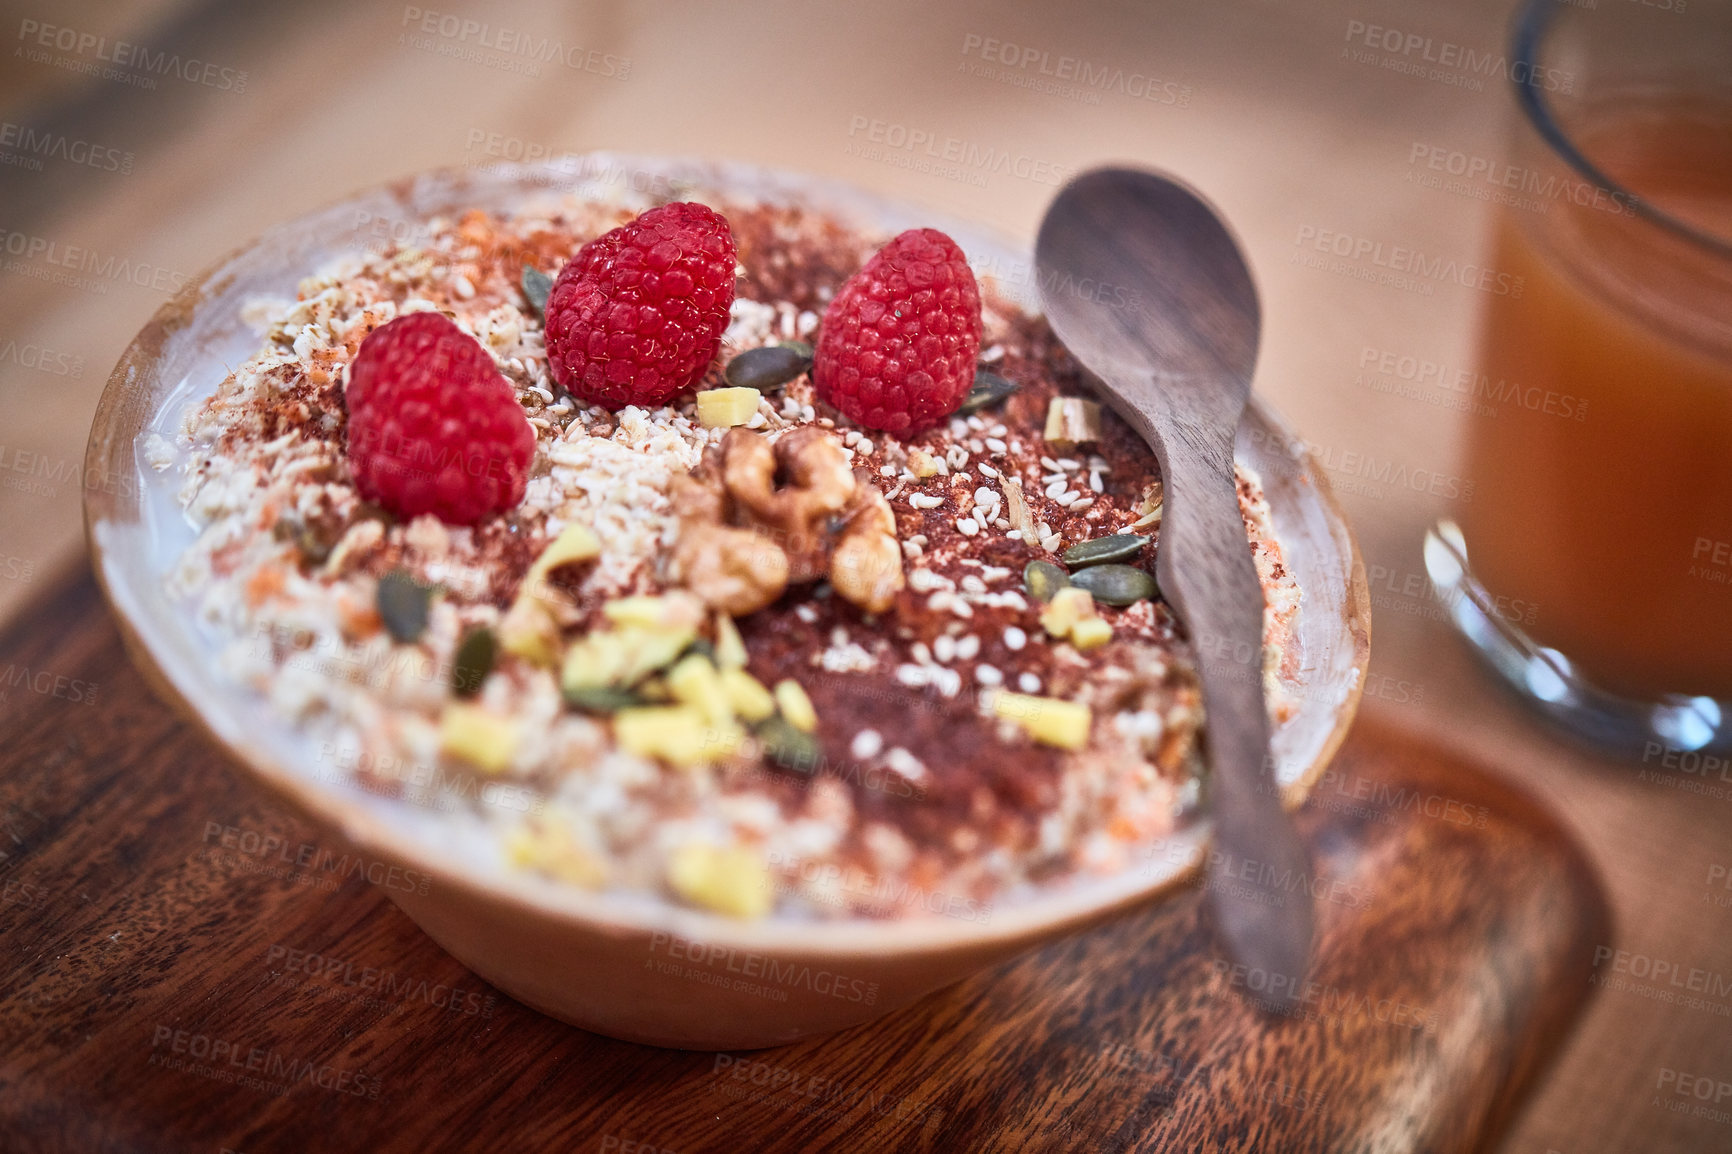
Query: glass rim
x=1531 y=26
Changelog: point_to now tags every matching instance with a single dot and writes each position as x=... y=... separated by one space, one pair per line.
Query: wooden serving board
x=158 y=988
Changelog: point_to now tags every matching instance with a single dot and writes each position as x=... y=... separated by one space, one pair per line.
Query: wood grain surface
x=177 y=976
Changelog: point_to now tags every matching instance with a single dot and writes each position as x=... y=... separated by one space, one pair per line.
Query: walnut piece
x=734 y=570
x=756 y=517
x=866 y=567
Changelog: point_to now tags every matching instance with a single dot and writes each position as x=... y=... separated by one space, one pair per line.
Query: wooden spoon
x=1148 y=290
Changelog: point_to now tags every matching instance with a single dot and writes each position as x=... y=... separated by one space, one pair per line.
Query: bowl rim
x=1042 y=914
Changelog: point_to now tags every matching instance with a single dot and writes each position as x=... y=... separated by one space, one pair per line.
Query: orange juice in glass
x=1604 y=466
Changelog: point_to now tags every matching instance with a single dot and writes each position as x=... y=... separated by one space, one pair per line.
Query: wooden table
x=180 y=978
x=1261 y=104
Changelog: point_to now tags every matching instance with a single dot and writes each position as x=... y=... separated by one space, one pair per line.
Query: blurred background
x=142 y=140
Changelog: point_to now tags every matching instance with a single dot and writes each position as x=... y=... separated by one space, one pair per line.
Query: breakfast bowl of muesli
x=720 y=583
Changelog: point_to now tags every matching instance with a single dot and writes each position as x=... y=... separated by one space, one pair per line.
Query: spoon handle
x=1259 y=876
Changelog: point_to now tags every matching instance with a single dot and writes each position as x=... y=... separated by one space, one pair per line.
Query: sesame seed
x=967 y=526
x=1057 y=487
x=991 y=354
x=977 y=424
x=988 y=675
x=995 y=446
x=968 y=647
x=925 y=500
x=986 y=496
x=1095 y=482
x=973 y=584
x=923 y=580
x=1068 y=498
x=905 y=763
x=1028 y=683
x=912 y=676
x=866 y=744
x=1052 y=466
x=1069 y=465
x=1014 y=638
x=851 y=437
x=921 y=654
x=1050 y=542
x=866 y=447
x=988 y=470
x=806 y=613
x=944 y=648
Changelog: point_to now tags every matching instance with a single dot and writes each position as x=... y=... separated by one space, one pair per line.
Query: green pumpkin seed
x=768 y=368
x=474 y=660
x=602 y=699
x=1118 y=585
x=1042 y=579
x=988 y=389
x=403 y=603
x=536 y=286
x=791 y=748
x=1100 y=551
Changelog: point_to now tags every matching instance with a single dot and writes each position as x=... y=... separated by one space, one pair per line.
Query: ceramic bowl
x=638 y=968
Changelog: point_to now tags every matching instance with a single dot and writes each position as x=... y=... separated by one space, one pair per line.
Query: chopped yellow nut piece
x=730 y=646
x=551 y=850
x=694 y=681
x=678 y=734
x=796 y=707
x=529 y=631
x=730 y=880
x=722 y=408
x=596 y=660
x=673 y=612
x=922 y=464
x=1068 y=606
x=1049 y=720
x=648 y=652
x=747 y=695
x=472 y=734
x=574 y=543
x=1090 y=633
x=1071 y=421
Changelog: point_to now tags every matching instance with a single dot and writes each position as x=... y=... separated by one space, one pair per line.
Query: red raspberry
x=433 y=426
x=898 y=345
x=638 y=314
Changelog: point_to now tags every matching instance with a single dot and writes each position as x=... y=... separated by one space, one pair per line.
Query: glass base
x=1546 y=680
